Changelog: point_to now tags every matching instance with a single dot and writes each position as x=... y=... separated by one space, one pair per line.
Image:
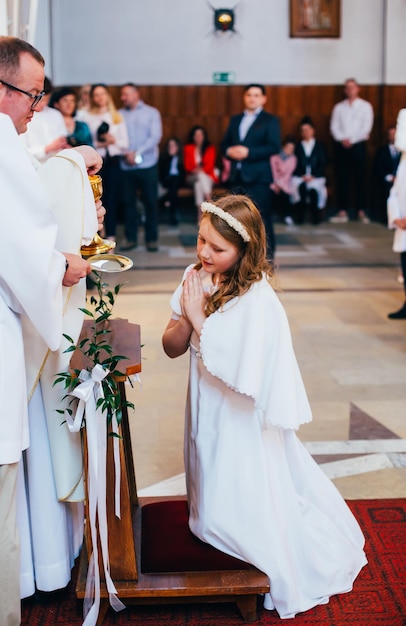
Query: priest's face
x=17 y=105
x=216 y=254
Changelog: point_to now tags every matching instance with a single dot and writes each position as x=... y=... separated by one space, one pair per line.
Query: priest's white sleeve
x=31 y=269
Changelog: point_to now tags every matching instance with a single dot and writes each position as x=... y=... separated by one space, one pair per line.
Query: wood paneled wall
x=182 y=107
x=211 y=106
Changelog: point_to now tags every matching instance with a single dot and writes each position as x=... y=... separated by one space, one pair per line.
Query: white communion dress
x=253 y=490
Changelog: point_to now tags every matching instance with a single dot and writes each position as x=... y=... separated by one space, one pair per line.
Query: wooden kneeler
x=241 y=586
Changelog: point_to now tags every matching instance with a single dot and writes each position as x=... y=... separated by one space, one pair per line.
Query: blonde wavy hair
x=115 y=115
x=252 y=264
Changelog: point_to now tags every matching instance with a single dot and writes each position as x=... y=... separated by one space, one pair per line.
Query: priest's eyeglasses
x=35 y=99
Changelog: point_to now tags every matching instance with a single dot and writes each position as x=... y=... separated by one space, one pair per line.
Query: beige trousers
x=10 y=607
x=202 y=185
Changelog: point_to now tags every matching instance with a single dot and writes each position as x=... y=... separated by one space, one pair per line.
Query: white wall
x=172 y=42
x=43 y=35
x=395 y=65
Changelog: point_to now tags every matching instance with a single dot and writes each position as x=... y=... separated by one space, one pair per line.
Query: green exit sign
x=223 y=77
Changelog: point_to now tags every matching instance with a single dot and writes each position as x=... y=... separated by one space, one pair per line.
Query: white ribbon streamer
x=134 y=378
x=89 y=392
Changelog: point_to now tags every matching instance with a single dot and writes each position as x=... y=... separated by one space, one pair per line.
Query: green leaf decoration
x=111 y=434
x=97 y=350
x=86 y=312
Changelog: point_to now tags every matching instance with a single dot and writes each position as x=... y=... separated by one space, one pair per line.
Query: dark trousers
x=382 y=191
x=281 y=204
x=144 y=181
x=260 y=193
x=111 y=180
x=307 y=206
x=172 y=184
x=403 y=266
x=351 y=174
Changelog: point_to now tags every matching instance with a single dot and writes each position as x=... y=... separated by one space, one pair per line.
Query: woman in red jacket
x=199 y=159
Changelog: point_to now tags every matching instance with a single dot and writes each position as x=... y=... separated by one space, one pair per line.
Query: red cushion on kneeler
x=167 y=544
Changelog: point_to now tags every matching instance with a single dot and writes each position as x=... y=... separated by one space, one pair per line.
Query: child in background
x=171 y=175
x=283 y=165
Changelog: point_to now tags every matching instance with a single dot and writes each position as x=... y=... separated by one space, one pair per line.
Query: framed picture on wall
x=315 y=18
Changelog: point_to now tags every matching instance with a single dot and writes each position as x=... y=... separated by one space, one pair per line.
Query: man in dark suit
x=386 y=163
x=250 y=140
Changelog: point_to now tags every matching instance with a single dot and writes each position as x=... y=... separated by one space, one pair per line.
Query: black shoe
x=152 y=246
x=398 y=315
x=128 y=245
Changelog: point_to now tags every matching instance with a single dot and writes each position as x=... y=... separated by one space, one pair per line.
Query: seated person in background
x=46 y=133
x=199 y=158
x=171 y=175
x=65 y=101
x=386 y=163
x=309 y=179
x=283 y=165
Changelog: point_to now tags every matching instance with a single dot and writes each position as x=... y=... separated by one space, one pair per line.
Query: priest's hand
x=101 y=212
x=77 y=268
x=93 y=160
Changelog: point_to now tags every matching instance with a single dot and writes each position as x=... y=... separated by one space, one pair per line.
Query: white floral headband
x=207 y=207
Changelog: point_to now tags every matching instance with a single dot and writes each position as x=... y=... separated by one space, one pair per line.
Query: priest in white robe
x=31 y=273
x=50 y=513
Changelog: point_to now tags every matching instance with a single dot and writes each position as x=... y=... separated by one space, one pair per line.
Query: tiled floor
x=337 y=283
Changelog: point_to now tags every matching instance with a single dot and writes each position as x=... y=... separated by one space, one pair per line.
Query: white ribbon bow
x=89 y=392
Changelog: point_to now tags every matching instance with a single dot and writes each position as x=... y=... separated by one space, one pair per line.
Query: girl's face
x=216 y=254
x=100 y=97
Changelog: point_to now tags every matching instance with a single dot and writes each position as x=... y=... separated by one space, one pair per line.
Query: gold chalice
x=96 y=251
x=97 y=245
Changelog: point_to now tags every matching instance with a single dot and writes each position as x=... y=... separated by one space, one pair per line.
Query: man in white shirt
x=46 y=133
x=350 y=125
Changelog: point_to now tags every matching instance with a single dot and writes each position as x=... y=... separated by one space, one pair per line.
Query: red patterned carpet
x=378 y=597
